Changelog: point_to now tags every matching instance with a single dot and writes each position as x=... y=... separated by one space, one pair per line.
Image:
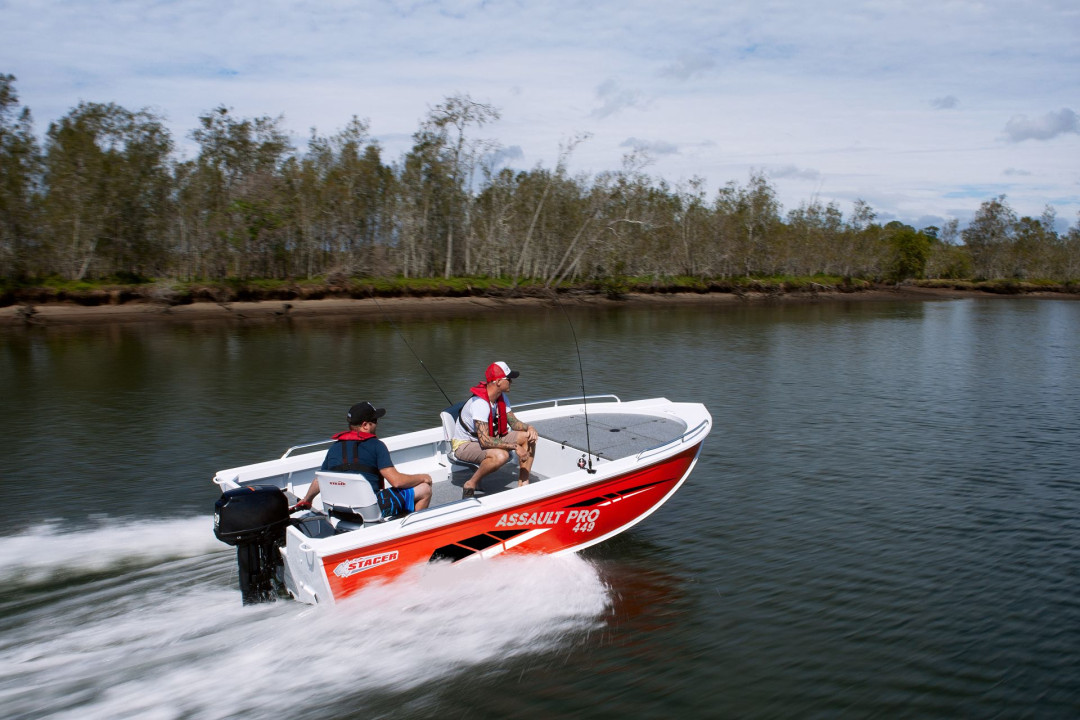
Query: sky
x=923 y=109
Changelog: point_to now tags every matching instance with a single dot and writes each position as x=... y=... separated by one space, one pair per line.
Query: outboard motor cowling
x=250 y=513
x=254 y=519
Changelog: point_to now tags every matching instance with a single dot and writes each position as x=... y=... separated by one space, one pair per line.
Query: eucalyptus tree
x=340 y=193
x=693 y=220
x=1070 y=254
x=1036 y=247
x=526 y=255
x=495 y=220
x=948 y=258
x=812 y=233
x=20 y=175
x=989 y=236
x=572 y=227
x=748 y=217
x=444 y=147
x=236 y=184
x=422 y=189
x=107 y=185
x=859 y=250
x=909 y=252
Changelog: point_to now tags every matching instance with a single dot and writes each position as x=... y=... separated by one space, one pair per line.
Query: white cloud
x=948 y=102
x=794 y=173
x=613 y=99
x=841 y=87
x=1048 y=127
x=653 y=147
x=688 y=66
x=504 y=156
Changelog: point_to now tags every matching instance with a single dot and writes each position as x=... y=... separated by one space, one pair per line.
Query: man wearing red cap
x=487 y=431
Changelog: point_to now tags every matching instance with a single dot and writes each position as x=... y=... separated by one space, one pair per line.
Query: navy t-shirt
x=371 y=452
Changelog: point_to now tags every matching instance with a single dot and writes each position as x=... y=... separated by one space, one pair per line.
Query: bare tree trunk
x=532 y=226
x=449 y=250
x=569 y=249
x=87 y=260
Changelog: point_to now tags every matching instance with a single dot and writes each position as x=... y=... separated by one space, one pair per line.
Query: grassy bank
x=172 y=293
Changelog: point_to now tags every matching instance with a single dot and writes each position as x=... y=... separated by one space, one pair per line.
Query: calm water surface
x=885 y=521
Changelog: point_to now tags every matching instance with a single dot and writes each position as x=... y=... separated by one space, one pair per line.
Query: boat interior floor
x=610 y=436
x=505 y=478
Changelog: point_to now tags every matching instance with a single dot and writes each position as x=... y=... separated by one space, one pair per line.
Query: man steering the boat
x=487 y=432
x=358 y=450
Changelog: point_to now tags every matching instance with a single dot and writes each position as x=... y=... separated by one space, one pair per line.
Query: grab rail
x=221 y=482
x=463 y=504
x=578 y=398
x=685 y=437
x=305 y=445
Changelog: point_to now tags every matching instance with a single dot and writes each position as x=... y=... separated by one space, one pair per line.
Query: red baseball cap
x=498 y=371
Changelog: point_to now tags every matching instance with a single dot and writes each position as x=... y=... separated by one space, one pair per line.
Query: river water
x=884 y=522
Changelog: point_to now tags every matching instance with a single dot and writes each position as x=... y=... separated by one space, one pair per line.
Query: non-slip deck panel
x=611 y=435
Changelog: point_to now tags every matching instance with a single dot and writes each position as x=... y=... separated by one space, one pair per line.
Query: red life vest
x=498 y=410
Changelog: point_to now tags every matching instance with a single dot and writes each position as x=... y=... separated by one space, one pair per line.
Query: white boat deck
x=610 y=436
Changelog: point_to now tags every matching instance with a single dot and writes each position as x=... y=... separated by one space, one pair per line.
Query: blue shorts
x=408 y=498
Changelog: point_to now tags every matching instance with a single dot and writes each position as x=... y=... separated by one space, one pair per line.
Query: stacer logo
x=360 y=564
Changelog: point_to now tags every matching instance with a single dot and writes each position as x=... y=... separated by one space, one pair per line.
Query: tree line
x=104 y=196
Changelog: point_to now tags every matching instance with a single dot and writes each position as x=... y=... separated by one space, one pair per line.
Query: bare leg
x=493 y=460
x=526 y=451
x=422 y=495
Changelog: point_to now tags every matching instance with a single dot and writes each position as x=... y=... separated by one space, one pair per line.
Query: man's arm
x=516 y=424
x=483 y=436
x=401 y=481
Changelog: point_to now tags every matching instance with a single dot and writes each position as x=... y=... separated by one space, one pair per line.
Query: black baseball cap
x=363 y=412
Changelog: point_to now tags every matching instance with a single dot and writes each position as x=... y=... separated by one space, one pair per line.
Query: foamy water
x=125 y=635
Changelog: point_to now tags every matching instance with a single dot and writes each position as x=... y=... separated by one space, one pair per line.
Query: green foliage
x=910 y=251
x=20 y=176
x=251 y=215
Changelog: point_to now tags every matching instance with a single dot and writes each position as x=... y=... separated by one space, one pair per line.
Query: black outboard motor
x=254 y=520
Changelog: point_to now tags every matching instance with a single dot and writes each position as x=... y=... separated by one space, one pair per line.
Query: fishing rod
x=406 y=341
x=581 y=372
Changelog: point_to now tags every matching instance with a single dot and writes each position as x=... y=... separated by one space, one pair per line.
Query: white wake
x=172 y=639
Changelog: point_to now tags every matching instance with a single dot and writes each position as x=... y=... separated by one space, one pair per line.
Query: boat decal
x=353 y=566
x=477 y=543
x=497 y=549
x=523 y=537
x=549 y=518
x=615 y=496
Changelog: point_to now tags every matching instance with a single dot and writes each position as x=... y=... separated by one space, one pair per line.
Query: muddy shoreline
x=68 y=313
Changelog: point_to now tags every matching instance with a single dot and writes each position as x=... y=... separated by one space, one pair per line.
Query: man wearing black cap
x=359 y=451
x=487 y=432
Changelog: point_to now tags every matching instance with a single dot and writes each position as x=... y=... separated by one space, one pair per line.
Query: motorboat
x=601 y=466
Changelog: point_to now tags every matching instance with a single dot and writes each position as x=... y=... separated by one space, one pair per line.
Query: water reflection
x=883 y=521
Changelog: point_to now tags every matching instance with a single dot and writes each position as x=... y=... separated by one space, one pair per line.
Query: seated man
x=359 y=451
x=487 y=431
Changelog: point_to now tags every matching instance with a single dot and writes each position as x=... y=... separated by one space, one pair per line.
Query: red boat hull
x=569 y=521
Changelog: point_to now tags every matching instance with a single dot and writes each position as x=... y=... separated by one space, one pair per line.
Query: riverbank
x=69 y=313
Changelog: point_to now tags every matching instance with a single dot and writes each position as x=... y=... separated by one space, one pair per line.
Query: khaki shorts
x=471 y=451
